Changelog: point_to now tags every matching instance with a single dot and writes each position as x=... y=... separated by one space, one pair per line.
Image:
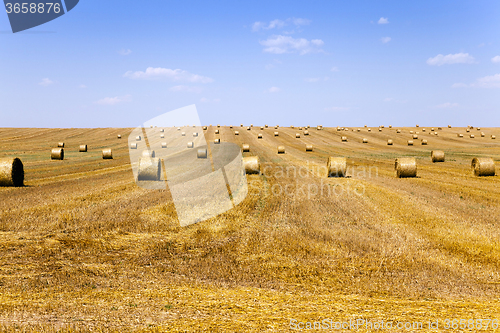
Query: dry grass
x=82 y=247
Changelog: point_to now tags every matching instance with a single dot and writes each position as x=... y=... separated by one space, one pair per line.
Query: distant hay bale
x=440 y=128
x=202 y=153
x=390 y=142
x=218 y=125
x=346 y=129
x=11 y=172
x=336 y=166
x=251 y=125
x=148 y=153
x=483 y=166
x=411 y=132
x=449 y=126
x=344 y=139
x=359 y=130
x=479 y=128
x=178 y=128
x=437 y=156
x=249 y=128
x=467 y=130
x=390 y=126
x=415 y=137
x=306 y=132
x=460 y=135
x=297 y=135
x=281 y=149
x=472 y=136
x=205 y=128
x=164 y=145
x=217 y=141
x=107 y=154
x=138 y=138
x=423 y=129
x=183 y=133
x=57 y=154
x=262 y=128
x=483 y=135
x=251 y=164
x=277 y=126
x=195 y=134
x=309 y=147
x=217 y=131
x=231 y=126
x=417 y=125
x=119 y=136
x=241 y=125
x=436 y=133
x=405 y=167
x=133 y=146
x=60 y=145
x=83 y=149
x=410 y=142
x=246 y=147
x=266 y=126
x=190 y=144
x=292 y=126
x=493 y=137
x=338 y=128
x=369 y=130
x=398 y=131
x=380 y=129
x=319 y=127
x=162 y=130
x=432 y=129
x=365 y=140
x=366 y=125
x=162 y=136
x=236 y=133
x=149 y=169
x=424 y=142
x=259 y=136
x=276 y=134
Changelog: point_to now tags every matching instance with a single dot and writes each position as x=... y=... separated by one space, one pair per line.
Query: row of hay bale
x=58 y=153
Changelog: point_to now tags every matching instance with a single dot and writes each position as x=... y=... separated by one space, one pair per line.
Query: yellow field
x=82 y=246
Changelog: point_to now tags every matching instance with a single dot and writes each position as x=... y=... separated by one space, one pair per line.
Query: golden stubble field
x=82 y=247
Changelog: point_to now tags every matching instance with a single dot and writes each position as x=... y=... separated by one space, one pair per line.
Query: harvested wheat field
x=83 y=247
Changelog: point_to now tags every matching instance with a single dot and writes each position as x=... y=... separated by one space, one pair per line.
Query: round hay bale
x=306 y=132
x=440 y=128
x=217 y=131
x=218 y=125
x=277 y=126
x=195 y=134
x=297 y=135
x=344 y=139
x=266 y=126
x=217 y=141
x=479 y=128
x=493 y=137
x=309 y=147
x=251 y=164
x=416 y=125
x=276 y=134
x=11 y=172
x=415 y=136
x=162 y=136
x=365 y=140
x=410 y=142
x=319 y=127
x=246 y=147
x=178 y=128
x=336 y=166
x=390 y=126
x=472 y=136
x=390 y=142
x=57 y=154
x=251 y=125
x=231 y=126
x=398 y=131
x=164 y=145
x=359 y=130
x=190 y=144
x=249 y=128
x=483 y=135
x=107 y=154
x=423 y=129
x=449 y=126
x=460 y=135
x=405 y=167
x=205 y=128
x=281 y=149
x=467 y=130
x=236 y=133
x=148 y=153
x=149 y=169
x=162 y=130
x=259 y=136
x=436 y=133
x=432 y=129
x=338 y=128
x=202 y=153
x=133 y=146
x=366 y=125
x=483 y=166
x=380 y=129
x=83 y=149
x=119 y=136
x=183 y=134
x=369 y=130
x=60 y=145
x=424 y=142
x=437 y=156
x=262 y=128
x=138 y=138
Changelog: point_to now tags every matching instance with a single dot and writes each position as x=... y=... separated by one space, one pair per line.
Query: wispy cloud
x=495 y=60
x=124 y=52
x=273 y=90
x=167 y=73
x=457 y=58
x=492 y=81
x=46 y=82
x=447 y=105
x=82 y=86
x=336 y=108
x=182 y=88
x=388 y=99
x=383 y=20
x=385 y=40
x=279 y=44
x=114 y=100
x=279 y=24
x=334 y=69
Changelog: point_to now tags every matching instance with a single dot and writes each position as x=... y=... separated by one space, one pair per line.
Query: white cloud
x=182 y=88
x=166 y=73
x=388 y=99
x=278 y=24
x=495 y=60
x=82 y=86
x=334 y=69
x=46 y=82
x=336 y=108
x=492 y=81
x=114 y=100
x=279 y=44
x=385 y=39
x=447 y=105
x=274 y=90
x=459 y=85
x=383 y=20
x=124 y=52
x=458 y=58
x=300 y=21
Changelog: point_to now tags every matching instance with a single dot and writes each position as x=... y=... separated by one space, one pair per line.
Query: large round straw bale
x=281 y=149
x=138 y=138
x=246 y=147
x=202 y=153
x=183 y=134
x=205 y=128
x=424 y=142
x=337 y=166
x=251 y=164
x=119 y=136
x=217 y=131
x=406 y=167
x=483 y=166
x=390 y=142
x=164 y=145
x=217 y=141
x=365 y=140
x=306 y=132
x=57 y=154
x=60 y=145
x=195 y=134
x=11 y=172
x=297 y=135
x=236 y=133
x=276 y=134
x=162 y=136
x=190 y=144
x=107 y=154
x=133 y=146
x=309 y=147
x=83 y=149
x=410 y=142
x=148 y=153
x=472 y=136
x=437 y=156
x=415 y=136
x=344 y=139
x=493 y=137
x=149 y=169
x=259 y=136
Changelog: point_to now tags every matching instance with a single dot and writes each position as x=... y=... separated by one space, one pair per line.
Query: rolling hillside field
x=83 y=247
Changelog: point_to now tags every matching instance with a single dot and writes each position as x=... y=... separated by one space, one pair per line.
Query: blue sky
x=119 y=63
